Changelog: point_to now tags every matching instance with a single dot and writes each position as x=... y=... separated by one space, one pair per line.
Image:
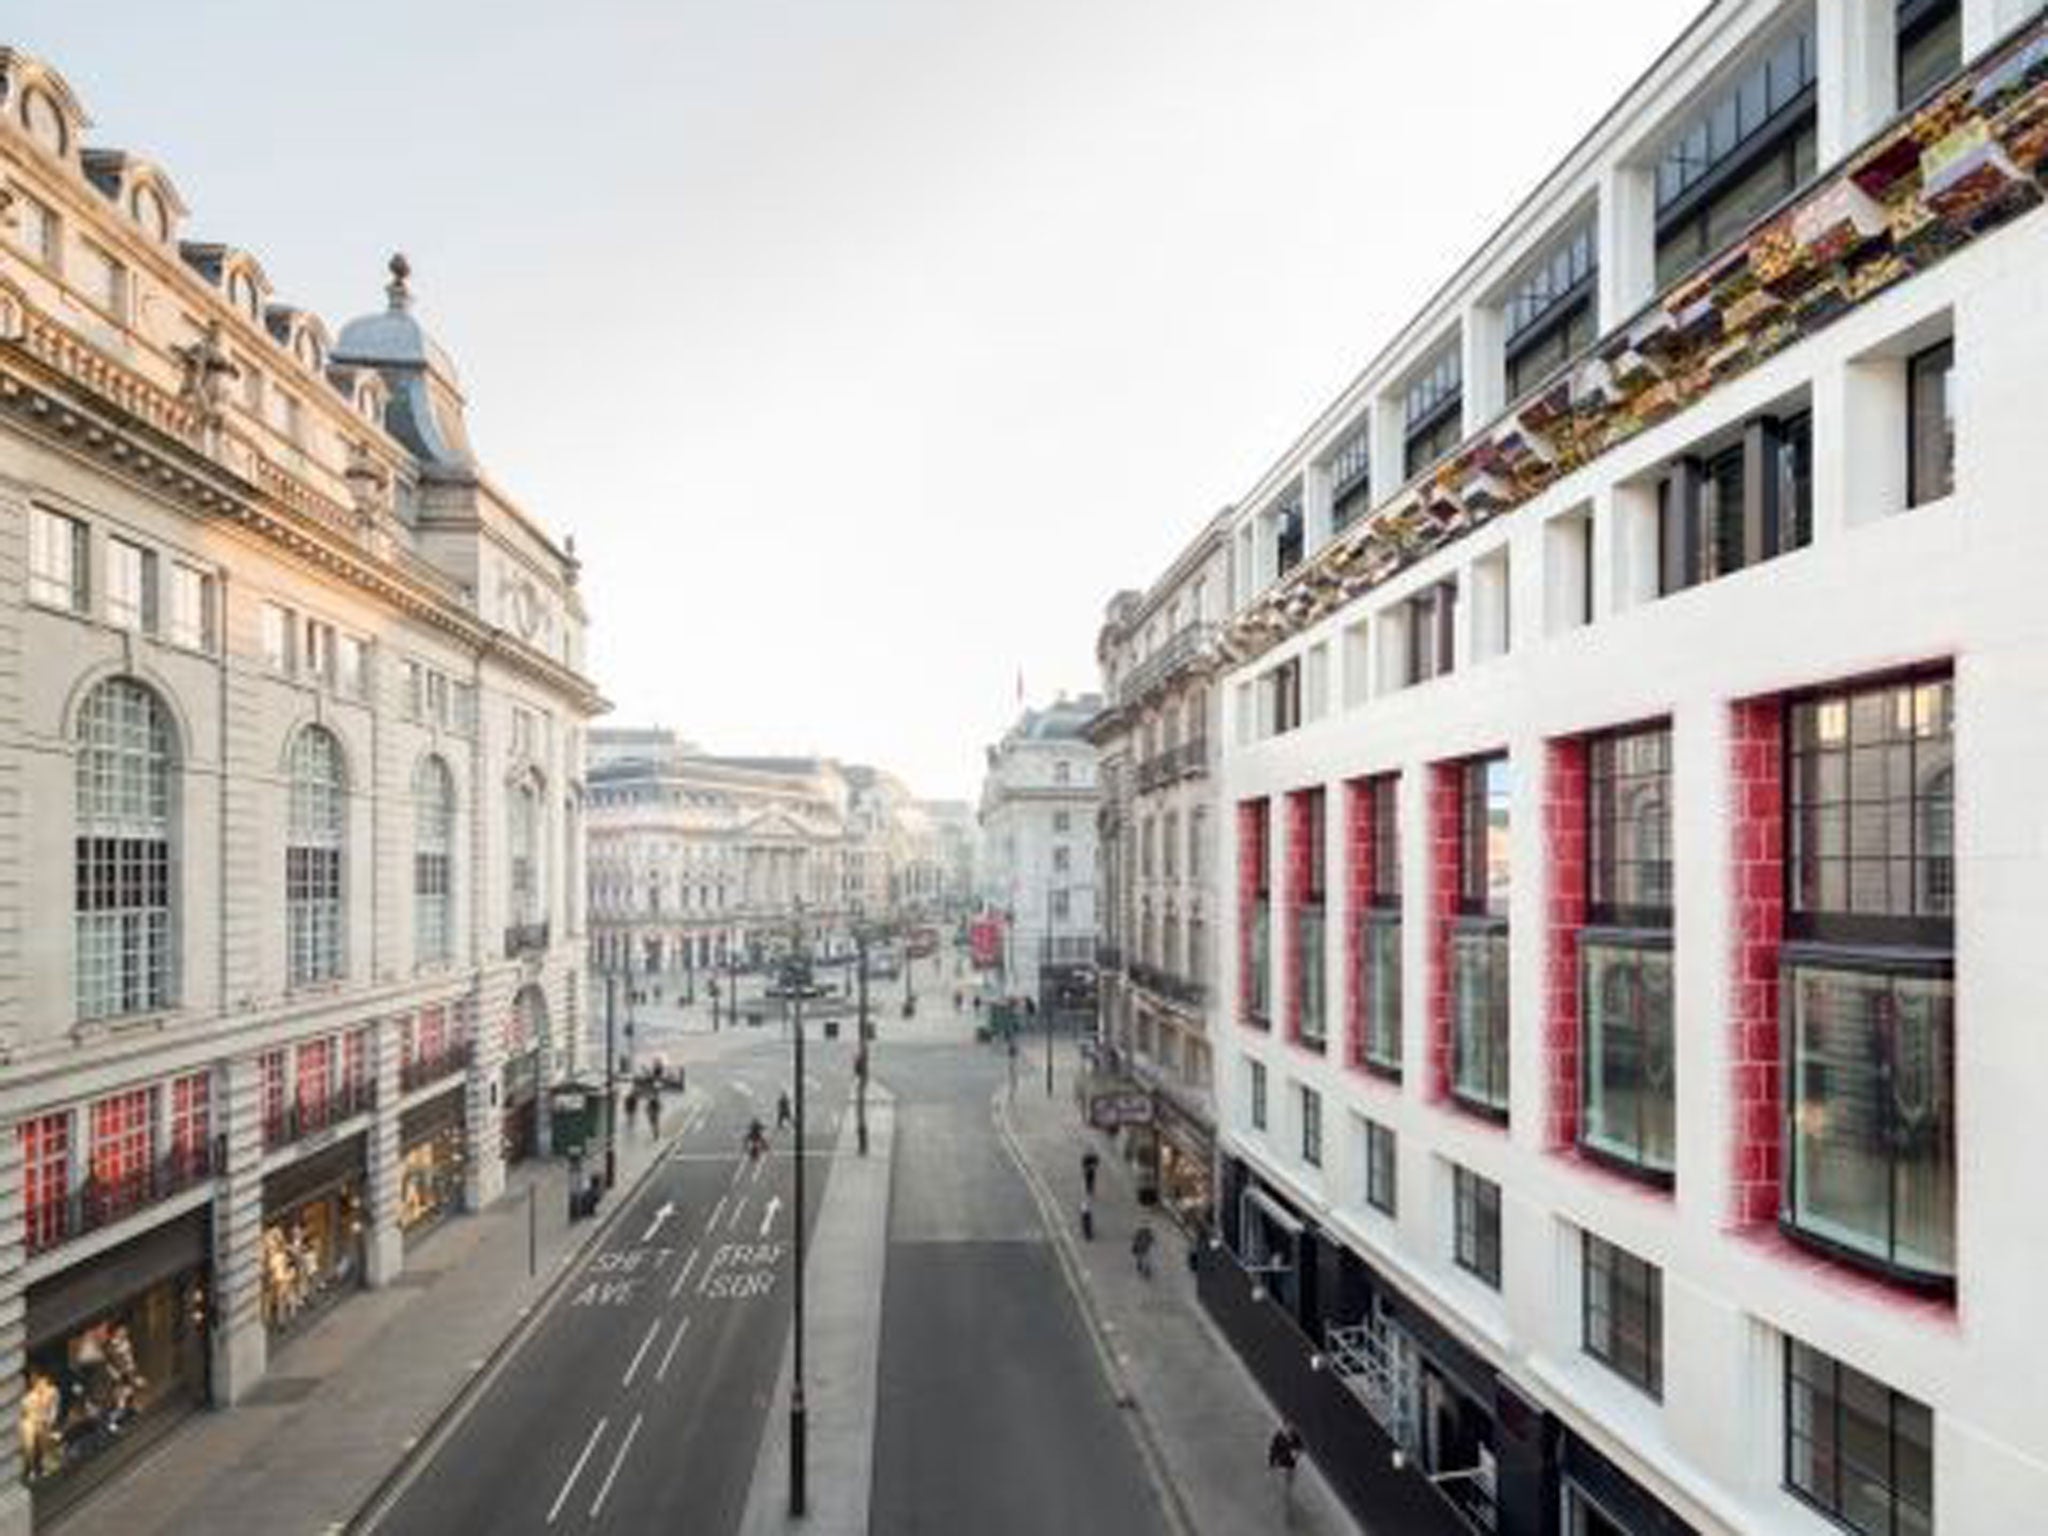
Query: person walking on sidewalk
x=783 y=1115
x=1089 y=1164
x=1283 y=1455
x=1141 y=1249
x=654 y=1109
x=1087 y=1219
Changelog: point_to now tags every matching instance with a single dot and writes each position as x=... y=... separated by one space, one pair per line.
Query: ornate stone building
x=1038 y=801
x=291 y=723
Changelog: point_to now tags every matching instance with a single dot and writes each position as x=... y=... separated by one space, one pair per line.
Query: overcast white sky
x=866 y=346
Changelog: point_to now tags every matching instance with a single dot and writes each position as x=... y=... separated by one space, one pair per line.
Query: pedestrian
x=783 y=1114
x=1141 y=1248
x=1090 y=1163
x=1283 y=1455
x=1087 y=1219
x=654 y=1110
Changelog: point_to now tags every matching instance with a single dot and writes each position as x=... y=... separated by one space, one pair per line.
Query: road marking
x=640 y=1354
x=625 y=1445
x=768 y=1217
x=737 y=1211
x=743 y=1090
x=717 y=1211
x=575 y=1472
x=684 y=1278
x=661 y=1371
x=758 y=1166
x=666 y=1209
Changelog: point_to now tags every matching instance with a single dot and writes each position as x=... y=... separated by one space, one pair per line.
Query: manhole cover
x=284 y=1389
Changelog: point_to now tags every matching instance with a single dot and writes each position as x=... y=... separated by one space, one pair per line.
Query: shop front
x=1186 y=1152
x=430 y=1157
x=116 y=1355
x=314 y=1218
x=519 y=1089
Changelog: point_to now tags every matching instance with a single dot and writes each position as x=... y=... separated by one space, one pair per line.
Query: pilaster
x=483 y=1178
x=13 y=583
x=1856 y=72
x=241 y=1346
x=13 y=1335
x=384 y=1247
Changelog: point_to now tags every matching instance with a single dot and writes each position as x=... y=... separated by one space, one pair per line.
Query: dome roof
x=425 y=409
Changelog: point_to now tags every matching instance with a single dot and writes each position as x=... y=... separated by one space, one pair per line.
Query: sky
x=865 y=347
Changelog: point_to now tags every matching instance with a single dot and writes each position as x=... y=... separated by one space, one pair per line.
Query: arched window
x=433 y=861
x=524 y=815
x=314 y=846
x=126 y=802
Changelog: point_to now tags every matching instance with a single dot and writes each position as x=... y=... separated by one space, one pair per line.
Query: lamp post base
x=798 y=1461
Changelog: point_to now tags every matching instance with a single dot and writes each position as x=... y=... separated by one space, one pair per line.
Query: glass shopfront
x=313 y=1225
x=116 y=1355
x=430 y=1162
x=1187 y=1181
x=522 y=1107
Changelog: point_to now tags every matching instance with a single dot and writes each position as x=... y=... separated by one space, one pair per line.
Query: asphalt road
x=994 y=1415
x=637 y=1402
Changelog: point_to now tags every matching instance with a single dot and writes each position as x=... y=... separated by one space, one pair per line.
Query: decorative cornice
x=1968 y=161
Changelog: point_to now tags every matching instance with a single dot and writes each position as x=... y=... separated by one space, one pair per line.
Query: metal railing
x=524 y=938
x=1168 y=984
x=300 y=1120
x=421 y=1070
x=99 y=1202
x=1188 y=760
x=1182 y=647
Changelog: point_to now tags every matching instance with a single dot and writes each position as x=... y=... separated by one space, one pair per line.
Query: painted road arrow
x=666 y=1210
x=768 y=1216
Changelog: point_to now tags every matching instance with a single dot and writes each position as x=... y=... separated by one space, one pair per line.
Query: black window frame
x=1350 y=472
x=1430 y=616
x=1741 y=504
x=1919 y=366
x=1382 y=792
x=1919 y=23
x=1256 y=1076
x=1476 y=893
x=1289 y=537
x=1432 y=410
x=1311 y=915
x=1381 y=915
x=1475 y=1196
x=1382 y=1168
x=1831 y=1503
x=1311 y=1126
x=1259 y=1005
x=1607 y=778
x=1642 y=1366
x=1285 y=682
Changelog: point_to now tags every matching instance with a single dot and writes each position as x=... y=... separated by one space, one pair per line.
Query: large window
x=1256 y=1079
x=126 y=796
x=523 y=842
x=1479 y=946
x=1868 y=977
x=1931 y=428
x=1309 y=921
x=1930 y=46
x=1476 y=1222
x=1380 y=928
x=1737 y=506
x=1625 y=999
x=56 y=560
x=1260 y=1001
x=1432 y=410
x=1856 y=1449
x=433 y=886
x=1749 y=147
x=1429 y=618
x=1549 y=315
x=1623 y=1313
x=1311 y=1127
x=192 y=605
x=131 y=586
x=316 y=840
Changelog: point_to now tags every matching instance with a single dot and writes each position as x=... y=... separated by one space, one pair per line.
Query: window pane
x=1629 y=1109
x=1932 y=447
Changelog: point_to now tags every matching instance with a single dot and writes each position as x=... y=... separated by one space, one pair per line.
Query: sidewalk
x=1196 y=1411
x=343 y=1401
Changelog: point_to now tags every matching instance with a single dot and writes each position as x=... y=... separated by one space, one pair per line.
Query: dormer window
x=45 y=123
x=308 y=349
x=242 y=293
x=151 y=213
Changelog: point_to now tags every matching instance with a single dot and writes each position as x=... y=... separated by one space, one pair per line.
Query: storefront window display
x=312 y=1254
x=98 y=1390
x=431 y=1167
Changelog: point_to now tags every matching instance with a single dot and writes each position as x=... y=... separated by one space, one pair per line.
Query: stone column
x=483 y=1176
x=241 y=1346
x=384 y=1245
x=14 y=1500
x=1627 y=241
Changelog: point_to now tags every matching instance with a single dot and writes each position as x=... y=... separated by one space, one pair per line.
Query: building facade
x=1634 y=839
x=293 y=738
x=1156 y=860
x=1037 y=817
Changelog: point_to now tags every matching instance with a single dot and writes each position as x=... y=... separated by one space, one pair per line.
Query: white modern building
x=291 y=735
x=1038 y=800
x=1630 y=1082
x=1156 y=860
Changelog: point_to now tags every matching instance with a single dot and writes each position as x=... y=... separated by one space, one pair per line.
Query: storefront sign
x=1128 y=1107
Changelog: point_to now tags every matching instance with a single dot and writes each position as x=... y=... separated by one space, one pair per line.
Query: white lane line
x=737 y=1211
x=743 y=1090
x=625 y=1445
x=683 y=1279
x=661 y=1370
x=758 y=1166
x=768 y=1216
x=575 y=1472
x=640 y=1354
x=740 y=1168
x=717 y=1211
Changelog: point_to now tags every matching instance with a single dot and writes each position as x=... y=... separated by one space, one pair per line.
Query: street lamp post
x=611 y=1091
x=860 y=1058
x=796 y=986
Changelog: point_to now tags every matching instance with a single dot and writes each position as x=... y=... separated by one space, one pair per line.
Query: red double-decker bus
x=985 y=941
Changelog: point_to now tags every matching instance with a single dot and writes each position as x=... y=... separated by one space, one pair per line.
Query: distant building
x=292 y=741
x=1038 y=802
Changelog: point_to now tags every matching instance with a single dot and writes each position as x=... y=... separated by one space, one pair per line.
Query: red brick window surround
x=276 y=1131
x=1254 y=914
x=1306 y=944
x=191 y=1127
x=123 y=1153
x=1445 y=800
x=1615 y=790
x=1372 y=984
x=45 y=1180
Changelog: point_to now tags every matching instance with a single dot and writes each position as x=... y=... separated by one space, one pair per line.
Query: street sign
x=1122 y=1107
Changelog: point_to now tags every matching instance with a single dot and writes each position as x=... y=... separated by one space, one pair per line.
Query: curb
x=431 y=1434
x=1178 y=1516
